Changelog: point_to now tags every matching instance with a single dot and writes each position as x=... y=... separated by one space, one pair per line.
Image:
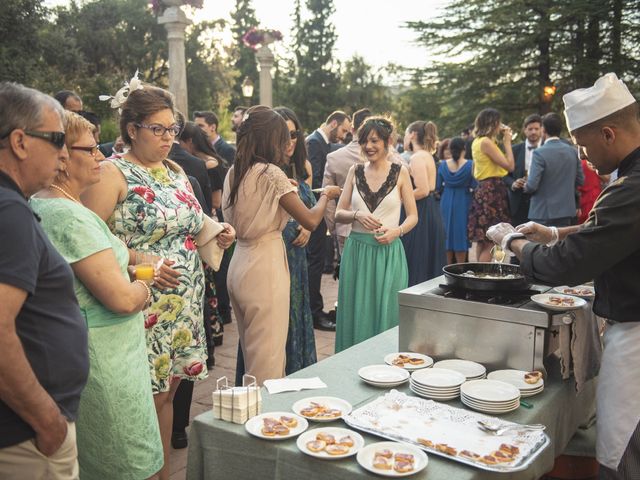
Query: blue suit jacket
x=317 y=150
x=554 y=175
x=225 y=150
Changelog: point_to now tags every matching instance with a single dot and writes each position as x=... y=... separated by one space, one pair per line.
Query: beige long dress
x=258 y=278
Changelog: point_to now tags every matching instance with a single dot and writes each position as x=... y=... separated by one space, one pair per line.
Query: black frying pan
x=453 y=276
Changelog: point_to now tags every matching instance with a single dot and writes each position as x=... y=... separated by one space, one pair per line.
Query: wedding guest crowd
x=123 y=351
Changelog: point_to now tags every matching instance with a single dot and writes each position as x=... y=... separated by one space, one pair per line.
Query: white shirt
x=528 y=153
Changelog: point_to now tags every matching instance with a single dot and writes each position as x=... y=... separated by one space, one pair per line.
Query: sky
x=370 y=29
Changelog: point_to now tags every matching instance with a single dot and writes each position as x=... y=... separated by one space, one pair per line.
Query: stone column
x=175 y=21
x=265 y=58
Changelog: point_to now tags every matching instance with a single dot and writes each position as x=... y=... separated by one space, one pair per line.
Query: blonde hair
x=75 y=126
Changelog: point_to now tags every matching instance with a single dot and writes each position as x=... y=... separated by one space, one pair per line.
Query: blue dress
x=455 y=200
x=424 y=245
x=301 y=343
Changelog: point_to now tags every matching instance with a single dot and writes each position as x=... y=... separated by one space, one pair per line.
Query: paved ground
x=226 y=364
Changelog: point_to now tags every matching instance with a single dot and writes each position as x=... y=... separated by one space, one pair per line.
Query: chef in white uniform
x=605 y=121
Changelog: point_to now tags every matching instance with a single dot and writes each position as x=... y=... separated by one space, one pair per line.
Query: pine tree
x=244 y=17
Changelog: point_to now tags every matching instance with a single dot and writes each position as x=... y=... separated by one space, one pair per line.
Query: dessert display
x=330 y=443
x=273 y=426
x=532 y=377
x=400 y=462
x=560 y=301
x=578 y=291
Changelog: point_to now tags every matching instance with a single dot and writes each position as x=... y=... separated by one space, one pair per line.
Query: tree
x=313 y=95
x=361 y=87
x=244 y=17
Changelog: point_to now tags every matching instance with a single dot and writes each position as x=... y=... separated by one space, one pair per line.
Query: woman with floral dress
x=148 y=203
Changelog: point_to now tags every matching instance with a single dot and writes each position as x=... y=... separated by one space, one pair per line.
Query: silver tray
x=541 y=439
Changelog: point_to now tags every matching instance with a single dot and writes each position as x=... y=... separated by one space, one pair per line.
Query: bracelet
x=147 y=288
x=354 y=215
x=401 y=230
x=555 y=237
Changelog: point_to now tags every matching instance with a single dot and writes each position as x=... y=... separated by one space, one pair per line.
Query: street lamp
x=548 y=92
x=247 y=89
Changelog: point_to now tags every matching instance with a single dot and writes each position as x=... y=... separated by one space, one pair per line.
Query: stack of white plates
x=437 y=383
x=516 y=378
x=383 y=375
x=490 y=396
x=471 y=370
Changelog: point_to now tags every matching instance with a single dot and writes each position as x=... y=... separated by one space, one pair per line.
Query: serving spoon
x=499 y=430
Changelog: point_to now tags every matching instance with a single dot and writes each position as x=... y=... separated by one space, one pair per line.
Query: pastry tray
x=397 y=416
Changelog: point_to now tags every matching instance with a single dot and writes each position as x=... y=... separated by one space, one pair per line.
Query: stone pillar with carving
x=265 y=58
x=175 y=21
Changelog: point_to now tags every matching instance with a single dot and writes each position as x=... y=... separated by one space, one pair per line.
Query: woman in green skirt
x=373 y=267
x=117 y=429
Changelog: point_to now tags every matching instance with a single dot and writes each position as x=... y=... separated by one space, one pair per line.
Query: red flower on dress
x=189 y=244
x=150 y=320
x=146 y=193
x=194 y=369
x=190 y=200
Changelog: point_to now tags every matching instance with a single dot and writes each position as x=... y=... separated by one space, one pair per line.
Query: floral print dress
x=161 y=216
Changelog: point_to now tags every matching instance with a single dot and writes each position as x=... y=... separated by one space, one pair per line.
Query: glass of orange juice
x=145 y=267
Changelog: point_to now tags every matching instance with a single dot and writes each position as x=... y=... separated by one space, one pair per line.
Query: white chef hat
x=586 y=105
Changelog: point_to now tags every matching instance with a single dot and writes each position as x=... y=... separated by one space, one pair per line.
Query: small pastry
x=281 y=429
x=330 y=439
x=489 y=460
x=309 y=412
x=268 y=431
x=402 y=466
x=382 y=463
x=289 y=421
x=403 y=457
x=270 y=422
x=425 y=442
x=510 y=449
x=416 y=361
x=470 y=455
x=346 y=441
x=336 y=449
x=316 y=445
x=444 y=448
x=384 y=453
x=502 y=457
x=398 y=362
x=532 y=377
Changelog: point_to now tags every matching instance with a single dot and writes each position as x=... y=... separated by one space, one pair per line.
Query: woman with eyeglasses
x=117 y=428
x=148 y=203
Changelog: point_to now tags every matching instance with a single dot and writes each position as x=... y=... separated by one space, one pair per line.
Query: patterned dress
x=301 y=342
x=160 y=215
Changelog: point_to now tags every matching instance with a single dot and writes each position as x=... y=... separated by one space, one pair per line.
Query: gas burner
x=510 y=298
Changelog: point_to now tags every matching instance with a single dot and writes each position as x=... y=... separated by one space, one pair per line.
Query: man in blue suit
x=318 y=146
x=554 y=175
x=522 y=154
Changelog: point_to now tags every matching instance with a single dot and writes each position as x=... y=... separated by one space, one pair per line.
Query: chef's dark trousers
x=629 y=468
x=316 y=254
x=182 y=405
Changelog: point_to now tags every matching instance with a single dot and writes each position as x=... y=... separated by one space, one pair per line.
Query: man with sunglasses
x=44 y=362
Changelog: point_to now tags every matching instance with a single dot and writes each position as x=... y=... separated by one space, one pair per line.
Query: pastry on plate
x=326 y=437
x=335 y=449
x=289 y=421
x=316 y=445
x=382 y=463
x=533 y=377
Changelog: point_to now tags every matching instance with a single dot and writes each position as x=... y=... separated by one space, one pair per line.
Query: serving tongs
x=501 y=429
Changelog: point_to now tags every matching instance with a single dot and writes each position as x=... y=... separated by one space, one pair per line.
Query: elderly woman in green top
x=118 y=433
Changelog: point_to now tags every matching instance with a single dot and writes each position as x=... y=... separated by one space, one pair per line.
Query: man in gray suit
x=554 y=175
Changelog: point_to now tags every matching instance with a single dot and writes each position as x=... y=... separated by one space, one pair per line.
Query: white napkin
x=293 y=384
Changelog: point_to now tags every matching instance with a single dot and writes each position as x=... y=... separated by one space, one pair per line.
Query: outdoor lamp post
x=247 y=90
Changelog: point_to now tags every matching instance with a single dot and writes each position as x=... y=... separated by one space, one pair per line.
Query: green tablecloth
x=222 y=450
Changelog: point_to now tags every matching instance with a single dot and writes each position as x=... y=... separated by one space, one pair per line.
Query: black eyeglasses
x=92 y=150
x=293 y=134
x=159 y=130
x=56 y=138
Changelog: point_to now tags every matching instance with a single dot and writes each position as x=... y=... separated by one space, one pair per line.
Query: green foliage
x=244 y=17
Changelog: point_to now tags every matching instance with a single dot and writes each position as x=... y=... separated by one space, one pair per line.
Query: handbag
x=208 y=248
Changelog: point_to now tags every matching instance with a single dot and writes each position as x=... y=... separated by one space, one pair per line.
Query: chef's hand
x=368 y=221
x=498 y=232
x=536 y=232
x=302 y=239
x=165 y=277
x=226 y=237
x=386 y=235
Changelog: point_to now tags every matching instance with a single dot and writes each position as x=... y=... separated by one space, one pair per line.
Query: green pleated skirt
x=370 y=277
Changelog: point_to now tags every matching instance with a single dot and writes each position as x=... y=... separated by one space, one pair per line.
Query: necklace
x=64 y=192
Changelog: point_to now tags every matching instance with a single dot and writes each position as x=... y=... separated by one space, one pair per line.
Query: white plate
x=485 y=409
x=515 y=378
x=531 y=393
x=338 y=433
x=490 y=391
x=254 y=425
x=440 y=398
x=496 y=405
x=565 y=290
x=437 y=391
x=329 y=402
x=438 y=378
x=428 y=361
x=366 y=454
x=542 y=299
x=471 y=370
x=383 y=374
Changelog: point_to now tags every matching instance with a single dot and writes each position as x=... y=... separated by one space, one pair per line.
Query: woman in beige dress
x=258 y=199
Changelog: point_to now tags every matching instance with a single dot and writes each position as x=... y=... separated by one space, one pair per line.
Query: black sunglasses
x=56 y=138
x=293 y=134
x=92 y=150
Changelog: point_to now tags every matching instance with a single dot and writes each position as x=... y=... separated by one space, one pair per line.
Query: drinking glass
x=145 y=267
